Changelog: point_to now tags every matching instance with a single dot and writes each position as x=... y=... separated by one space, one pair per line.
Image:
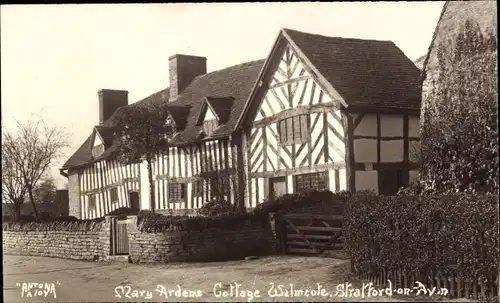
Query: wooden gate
x=311 y=234
x=119 y=237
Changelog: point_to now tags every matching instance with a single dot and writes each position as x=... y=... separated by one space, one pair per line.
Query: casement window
x=314 y=181
x=293 y=130
x=176 y=192
x=113 y=193
x=92 y=202
x=97 y=150
x=198 y=188
x=209 y=126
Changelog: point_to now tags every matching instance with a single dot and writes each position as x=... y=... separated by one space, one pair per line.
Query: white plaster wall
x=209 y=115
x=413 y=126
x=367 y=126
x=144 y=190
x=391 y=125
x=97 y=140
x=367 y=180
x=289 y=181
x=365 y=150
x=391 y=151
x=343 y=179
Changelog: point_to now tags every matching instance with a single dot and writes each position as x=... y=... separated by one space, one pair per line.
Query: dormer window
x=209 y=126
x=214 y=112
x=97 y=150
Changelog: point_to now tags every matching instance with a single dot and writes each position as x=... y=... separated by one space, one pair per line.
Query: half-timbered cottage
x=320 y=112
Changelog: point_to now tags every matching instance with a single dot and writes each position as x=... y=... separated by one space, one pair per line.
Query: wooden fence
x=448 y=286
x=309 y=234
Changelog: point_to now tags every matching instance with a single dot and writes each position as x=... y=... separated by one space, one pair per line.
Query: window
x=92 y=204
x=209 y=126
x=293 y=130
x=198 y=188
x=176 y=192
x=114 y=195
x=97 y=150
x=314 y=181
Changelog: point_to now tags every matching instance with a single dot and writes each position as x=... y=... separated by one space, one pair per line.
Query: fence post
x=280 y=231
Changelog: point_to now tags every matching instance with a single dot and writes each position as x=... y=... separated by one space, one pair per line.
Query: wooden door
x=390 y=181
x=277 y=187
x=134 y=200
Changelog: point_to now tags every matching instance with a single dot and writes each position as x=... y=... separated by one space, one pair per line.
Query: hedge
x=456 y=235
x=80 y=225
x=148 y=221
x=289 y=201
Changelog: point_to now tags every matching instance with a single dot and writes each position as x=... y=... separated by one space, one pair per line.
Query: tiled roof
x=364 y=72
x=222 y=107
x=179 y=114
x=235 y=81
x=106 y=133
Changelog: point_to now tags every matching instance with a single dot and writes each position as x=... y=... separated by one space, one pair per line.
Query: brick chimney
x=183 y=69
x=109 y=101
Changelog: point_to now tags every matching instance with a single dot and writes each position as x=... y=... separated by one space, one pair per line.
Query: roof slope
x=232 y=85
x=364 y=72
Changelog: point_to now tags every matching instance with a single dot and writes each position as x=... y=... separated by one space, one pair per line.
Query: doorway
x=277 y=187
x=134 y=200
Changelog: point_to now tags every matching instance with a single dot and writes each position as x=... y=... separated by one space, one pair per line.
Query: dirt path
x=96 y=282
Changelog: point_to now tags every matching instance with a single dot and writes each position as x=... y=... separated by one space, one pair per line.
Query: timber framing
x=296 y=111
x=297 y=170
x=348 y=125
x=387 y=166
x=290 y=81
x=246 y=146
x=101 y=190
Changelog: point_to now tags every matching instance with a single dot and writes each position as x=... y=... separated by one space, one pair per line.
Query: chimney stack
x=183 y=69
x=109 y=101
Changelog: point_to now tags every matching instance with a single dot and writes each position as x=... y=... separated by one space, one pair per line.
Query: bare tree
x=13 y=188
x=31 y=151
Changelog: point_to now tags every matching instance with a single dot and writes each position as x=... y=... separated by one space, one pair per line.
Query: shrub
x=289 y=201
x=459 y=136
x=81 y=225
x=123 y=211
x=454 y=234
x=148 y=221
x=217 y=207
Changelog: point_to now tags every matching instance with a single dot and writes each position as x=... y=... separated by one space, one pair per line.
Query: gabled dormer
x=214 y=112
x=102 y=138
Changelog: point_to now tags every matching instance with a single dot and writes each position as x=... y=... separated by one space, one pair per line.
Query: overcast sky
x=54 y=58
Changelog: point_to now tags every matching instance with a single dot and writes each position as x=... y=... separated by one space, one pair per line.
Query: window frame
x=310 y=182
x=182 y=191
x=297 y=133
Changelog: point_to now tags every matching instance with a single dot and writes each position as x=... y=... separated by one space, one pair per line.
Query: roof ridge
x=334 y=37
x=229 y=67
